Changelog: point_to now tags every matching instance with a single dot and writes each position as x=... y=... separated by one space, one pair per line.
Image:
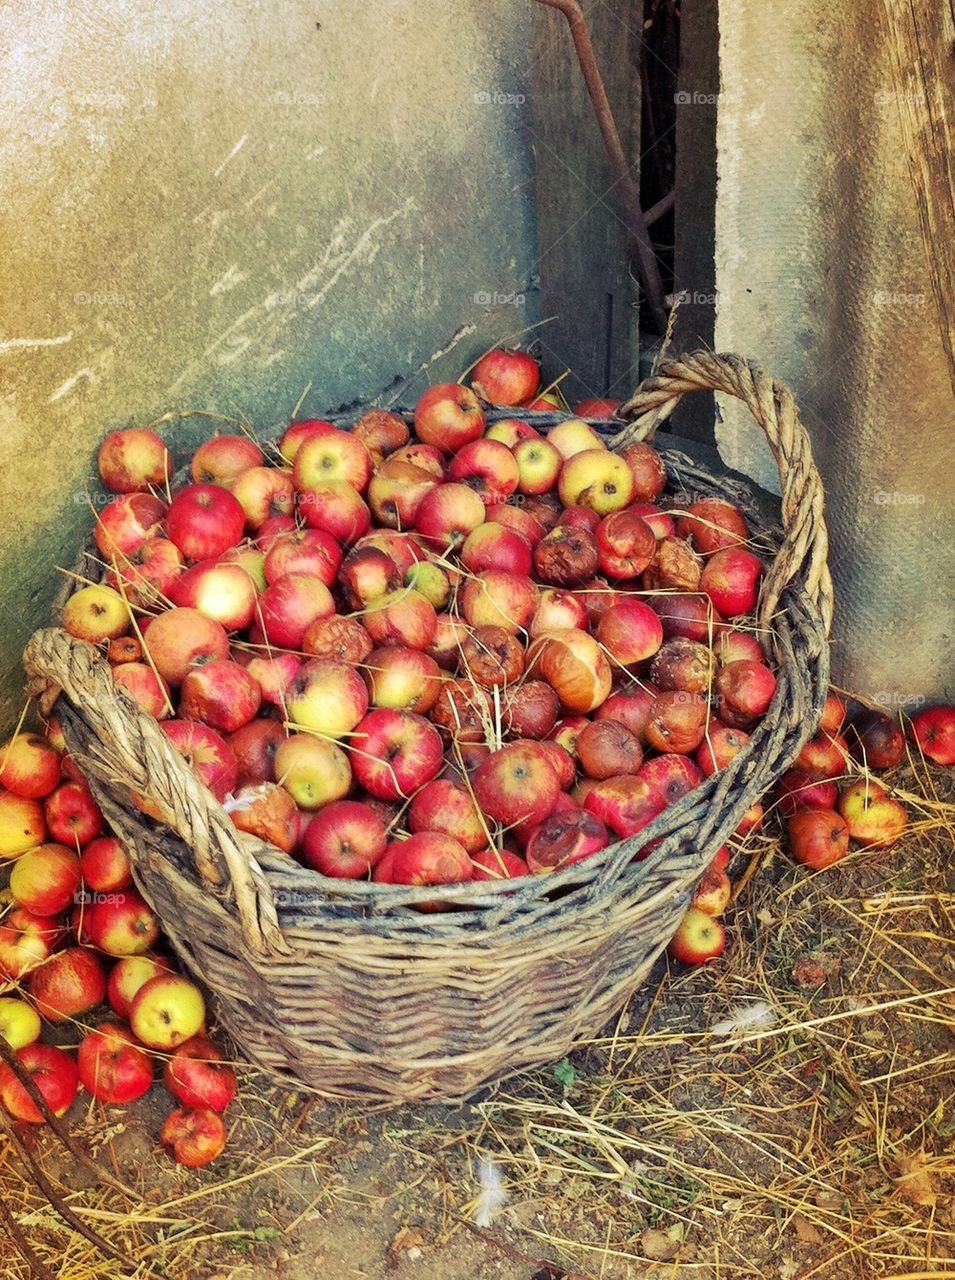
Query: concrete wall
x=216 y=205
x=821 y=276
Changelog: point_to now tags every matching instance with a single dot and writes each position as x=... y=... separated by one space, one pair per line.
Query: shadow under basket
x=343 y=986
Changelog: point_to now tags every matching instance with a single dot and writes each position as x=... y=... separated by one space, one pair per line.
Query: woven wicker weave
x=341 y=985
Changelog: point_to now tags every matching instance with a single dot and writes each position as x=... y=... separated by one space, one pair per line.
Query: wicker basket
x=341 y=985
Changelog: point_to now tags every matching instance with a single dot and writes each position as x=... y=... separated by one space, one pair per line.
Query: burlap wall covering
x=821 y=276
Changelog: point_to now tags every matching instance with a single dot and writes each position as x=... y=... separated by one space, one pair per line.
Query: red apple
x=690 y=615
x=222 y=695
x=223 y=459
x=699 y=938
x=180 y=639
x=381 y=432
x=105 y=865
x=538 y=466
x=517 y=785
x=630 y=632
x=142 y=684
x=625 y=544
x=72 y=815
x=327 y=697
x=722 y=745
x=875 y=820
x=309 y=551
x=149 y=574
x=255 y=746
x=493 y=547
x=22 y=824
x=427 y=457
x=511 y=431
x=29 y=766
x=337 y=508
x=52 y=1071
x=403 y=617
x=120 y=923
x=393 y=753
x=824 y=756
x=712 y=524
x=429 y=858
x=801 y=790
x=597 y=408
x=530 y=710
x=647 y=468
x=713 y=892
x=197 y=1075
x=345 y=839
x=660 y=522
x=558 y=610
x=204 y=521
x=130 y=461
x=332 y=456
x=126 y=524
x=817 y=837
x=518 y=518
x=489 y=468
x=67 y=984
x=498 y=598
x=397 y=492
x=448 y=513
x=112 y=1067
x=45 y=880
x=575 y=667
x=128 y=975
x=497 y=864
x=166 y=1011
x=366 y=574
x=626 y=804
x=670 y=777
x=505 y=376
x=26 y=940
x=448 y=416
x=563 y=839
x=677 y=722
x=193 y=1136
x=219 y=590
x=289 y=607
x=733 y=646
x=833 y=715
x=746 y=688
x=874 y=738
x=298 y=432
x=933 y=732
x=730 y=578
x=264 y=493
x=448 y=808
x=631 y=707
x=401 y=678
x=206 y=752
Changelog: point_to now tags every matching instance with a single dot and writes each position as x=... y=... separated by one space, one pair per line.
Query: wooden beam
x=582 y=236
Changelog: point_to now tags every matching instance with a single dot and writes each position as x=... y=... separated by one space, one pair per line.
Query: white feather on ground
x=493 y=1197
x=744 y=1019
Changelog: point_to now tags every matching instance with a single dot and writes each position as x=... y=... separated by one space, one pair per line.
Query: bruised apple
x=574 y=665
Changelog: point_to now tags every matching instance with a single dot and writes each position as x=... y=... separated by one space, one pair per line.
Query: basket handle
x=805 y=542
x=132 y=746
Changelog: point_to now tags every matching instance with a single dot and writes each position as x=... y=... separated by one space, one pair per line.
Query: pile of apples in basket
x=468 y=653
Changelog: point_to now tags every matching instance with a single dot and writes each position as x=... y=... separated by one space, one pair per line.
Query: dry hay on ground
x=813 y=1142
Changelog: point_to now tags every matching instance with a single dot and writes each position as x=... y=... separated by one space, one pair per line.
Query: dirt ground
x=812 y=1142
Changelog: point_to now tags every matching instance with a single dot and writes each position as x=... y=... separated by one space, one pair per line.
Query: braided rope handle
x=132 y=747
x=805 y=545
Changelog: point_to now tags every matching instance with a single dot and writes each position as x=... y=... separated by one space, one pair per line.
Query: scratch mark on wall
x=18 y=344
x=81 y=375
x=261 y=192
x=232 y=154
x=363 y=249
x=464 y=331
x=227 y=281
